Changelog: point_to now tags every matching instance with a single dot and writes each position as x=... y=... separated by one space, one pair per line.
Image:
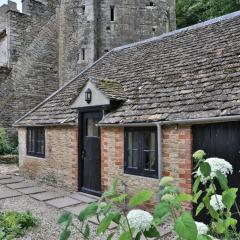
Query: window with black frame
x=36 y=141
x=141 y=152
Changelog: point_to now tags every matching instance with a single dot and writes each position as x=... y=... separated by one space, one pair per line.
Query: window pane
x=92 y=128
x=149 y=150
x=36 y=141
x=132 y=160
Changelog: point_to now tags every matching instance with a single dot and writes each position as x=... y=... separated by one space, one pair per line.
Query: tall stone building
x=52 y=41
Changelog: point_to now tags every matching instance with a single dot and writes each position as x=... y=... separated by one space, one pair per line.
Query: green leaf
x=210 y=209
x=183 y=197
x=220 y=226
x=152 y=233
x=229 y=197
x=104 y=224
x=197 y=196
x=116 y=217
x=119 y=199
x=110 y=236
x=222 y=179
x=138 y=236
x=88 y=212
x=199 y=208
x=203 y=237
x=65 y=219
x=125 y=236
x=185 y=227
x=65 y=234
x=140 y=198
x=205 y=169
x=162 y=210
x=231 y=222
x=196 y=184
x=107 y=208
x=86 y=232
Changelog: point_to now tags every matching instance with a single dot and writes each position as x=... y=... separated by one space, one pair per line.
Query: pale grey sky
x=19 y=3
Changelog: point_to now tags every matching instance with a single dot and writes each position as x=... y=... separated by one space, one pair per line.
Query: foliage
x=8 y=146
x=190 y=12
x=220 y=207
x=134 y=223
x=13 y=224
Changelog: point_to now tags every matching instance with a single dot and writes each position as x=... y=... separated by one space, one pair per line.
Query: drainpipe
x=159 y=149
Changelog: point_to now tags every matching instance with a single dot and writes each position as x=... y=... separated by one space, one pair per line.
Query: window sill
x=129 y=172
x=42 y=156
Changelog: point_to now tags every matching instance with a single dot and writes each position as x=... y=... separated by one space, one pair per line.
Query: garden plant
x=133 y=223
x=14 y=224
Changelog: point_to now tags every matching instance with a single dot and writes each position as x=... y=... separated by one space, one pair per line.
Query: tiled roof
x=187 y=74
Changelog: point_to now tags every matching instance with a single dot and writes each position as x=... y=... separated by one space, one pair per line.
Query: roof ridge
x=192 y=27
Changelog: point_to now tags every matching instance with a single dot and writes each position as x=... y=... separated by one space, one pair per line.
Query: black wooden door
x=90 y=156
x=220 y=140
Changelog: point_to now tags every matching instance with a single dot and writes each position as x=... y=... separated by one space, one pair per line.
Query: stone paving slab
x=45 y=196
x=3 y=176
x=20 y=185
x=63 y=202
x=83 y=198
x=11 y=180
x=8 y=193
x=95 y=221
x=76 y=209
x=31 y=190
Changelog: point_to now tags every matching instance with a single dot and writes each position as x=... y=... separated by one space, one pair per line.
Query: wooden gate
x=220 y=140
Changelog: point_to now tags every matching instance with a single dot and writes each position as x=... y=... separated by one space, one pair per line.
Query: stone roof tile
x=187 y=74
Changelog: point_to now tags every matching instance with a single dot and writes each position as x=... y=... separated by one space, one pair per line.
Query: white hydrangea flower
x=216 y=164
x=202 y=228
x=216 y=202
x=140 y=220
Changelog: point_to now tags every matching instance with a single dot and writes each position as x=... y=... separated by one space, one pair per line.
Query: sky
x=19 y=3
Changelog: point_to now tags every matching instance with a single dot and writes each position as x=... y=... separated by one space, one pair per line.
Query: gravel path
x=48 y=229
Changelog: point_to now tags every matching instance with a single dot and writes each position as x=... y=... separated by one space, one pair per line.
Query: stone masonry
x=177 y=160
x=60 y=165
x=51 y=41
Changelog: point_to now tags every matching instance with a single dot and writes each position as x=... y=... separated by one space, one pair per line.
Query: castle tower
x=90 y=28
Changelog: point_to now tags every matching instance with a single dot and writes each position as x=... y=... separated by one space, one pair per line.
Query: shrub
x=8 y=146
x=4 y=146
x=13 y=224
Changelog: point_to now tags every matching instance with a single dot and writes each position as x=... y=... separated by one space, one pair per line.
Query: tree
x=190 y=12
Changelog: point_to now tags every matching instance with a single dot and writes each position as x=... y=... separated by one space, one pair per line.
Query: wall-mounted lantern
x=88 y=95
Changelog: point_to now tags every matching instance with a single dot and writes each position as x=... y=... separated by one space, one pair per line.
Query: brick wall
x=59 y=167
x=177 y=150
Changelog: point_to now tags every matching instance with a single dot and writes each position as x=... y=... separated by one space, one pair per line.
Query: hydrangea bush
x=134 y=223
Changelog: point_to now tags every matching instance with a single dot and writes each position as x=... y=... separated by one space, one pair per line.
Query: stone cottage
x=52 y=41
x=140 y=111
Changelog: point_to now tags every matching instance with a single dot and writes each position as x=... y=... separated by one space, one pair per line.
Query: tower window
x=154 y=29
x=83 y=9
x=83 y=54
x=112 y=13
x=108 y=28
x=150 y=4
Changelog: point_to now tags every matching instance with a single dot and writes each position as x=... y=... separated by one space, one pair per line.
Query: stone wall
x=34 y=68
x=59 y=167
x=3 y=13
x=3 y=50
x=177 y=160
x=22 y=28
x=87 y=26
